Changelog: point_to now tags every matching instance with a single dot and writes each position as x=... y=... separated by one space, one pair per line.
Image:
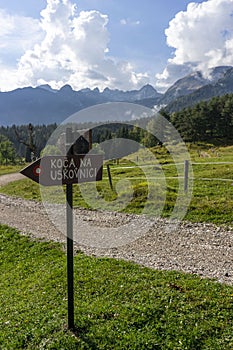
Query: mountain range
x=44 y=105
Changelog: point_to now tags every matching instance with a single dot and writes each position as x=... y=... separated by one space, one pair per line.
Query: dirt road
x=197 y=248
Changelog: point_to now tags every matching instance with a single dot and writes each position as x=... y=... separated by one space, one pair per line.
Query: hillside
x=186 y=93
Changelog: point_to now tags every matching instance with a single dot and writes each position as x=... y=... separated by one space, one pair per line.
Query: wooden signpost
x=64 y=170
x=67 y=170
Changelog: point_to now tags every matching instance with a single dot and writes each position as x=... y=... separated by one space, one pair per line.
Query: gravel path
x=5 y=179
x=203 y=249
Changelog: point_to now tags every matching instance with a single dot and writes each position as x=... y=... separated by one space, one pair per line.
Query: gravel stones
x=196 y=248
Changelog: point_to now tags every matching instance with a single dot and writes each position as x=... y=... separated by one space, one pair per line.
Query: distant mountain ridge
x=44 y=105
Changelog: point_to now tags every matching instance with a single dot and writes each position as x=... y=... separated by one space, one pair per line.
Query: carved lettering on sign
x=56 y=170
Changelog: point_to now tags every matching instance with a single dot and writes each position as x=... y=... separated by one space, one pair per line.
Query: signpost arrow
x=32 y=171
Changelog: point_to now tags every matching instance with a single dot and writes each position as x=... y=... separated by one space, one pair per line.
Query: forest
x=208 y=121
x=21 y=141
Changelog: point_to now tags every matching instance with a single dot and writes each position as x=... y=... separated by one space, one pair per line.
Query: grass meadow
x=156 y=186
x=119 y=305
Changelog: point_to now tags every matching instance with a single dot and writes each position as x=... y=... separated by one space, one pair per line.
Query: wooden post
x=109 y=176
x=70 y=243
x=186 y=175
x=90 y=138
x=70 y=255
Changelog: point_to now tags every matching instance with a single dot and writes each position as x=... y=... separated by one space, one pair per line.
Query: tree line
x=24 y=141
x=208 y=121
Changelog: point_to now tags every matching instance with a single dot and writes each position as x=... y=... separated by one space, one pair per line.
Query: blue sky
x=114 y=43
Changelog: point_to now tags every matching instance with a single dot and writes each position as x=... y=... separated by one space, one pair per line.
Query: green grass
x=118 y=305
x=212 y=200
x=8 y=169
x=22 y=188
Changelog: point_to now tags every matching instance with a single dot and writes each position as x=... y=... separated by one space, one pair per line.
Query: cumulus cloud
x=202 y=37
x=72 y=48
x=17 y=34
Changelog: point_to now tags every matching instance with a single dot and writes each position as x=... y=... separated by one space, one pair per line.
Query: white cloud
x=17 y=33
x=128 y=21
x=70 y=48
x=172 y=73
x=123 y=21
x=202 y=37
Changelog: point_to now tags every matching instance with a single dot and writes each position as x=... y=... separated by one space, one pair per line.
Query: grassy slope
x=118 y=305
x=8 y=169
x=212 y=201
